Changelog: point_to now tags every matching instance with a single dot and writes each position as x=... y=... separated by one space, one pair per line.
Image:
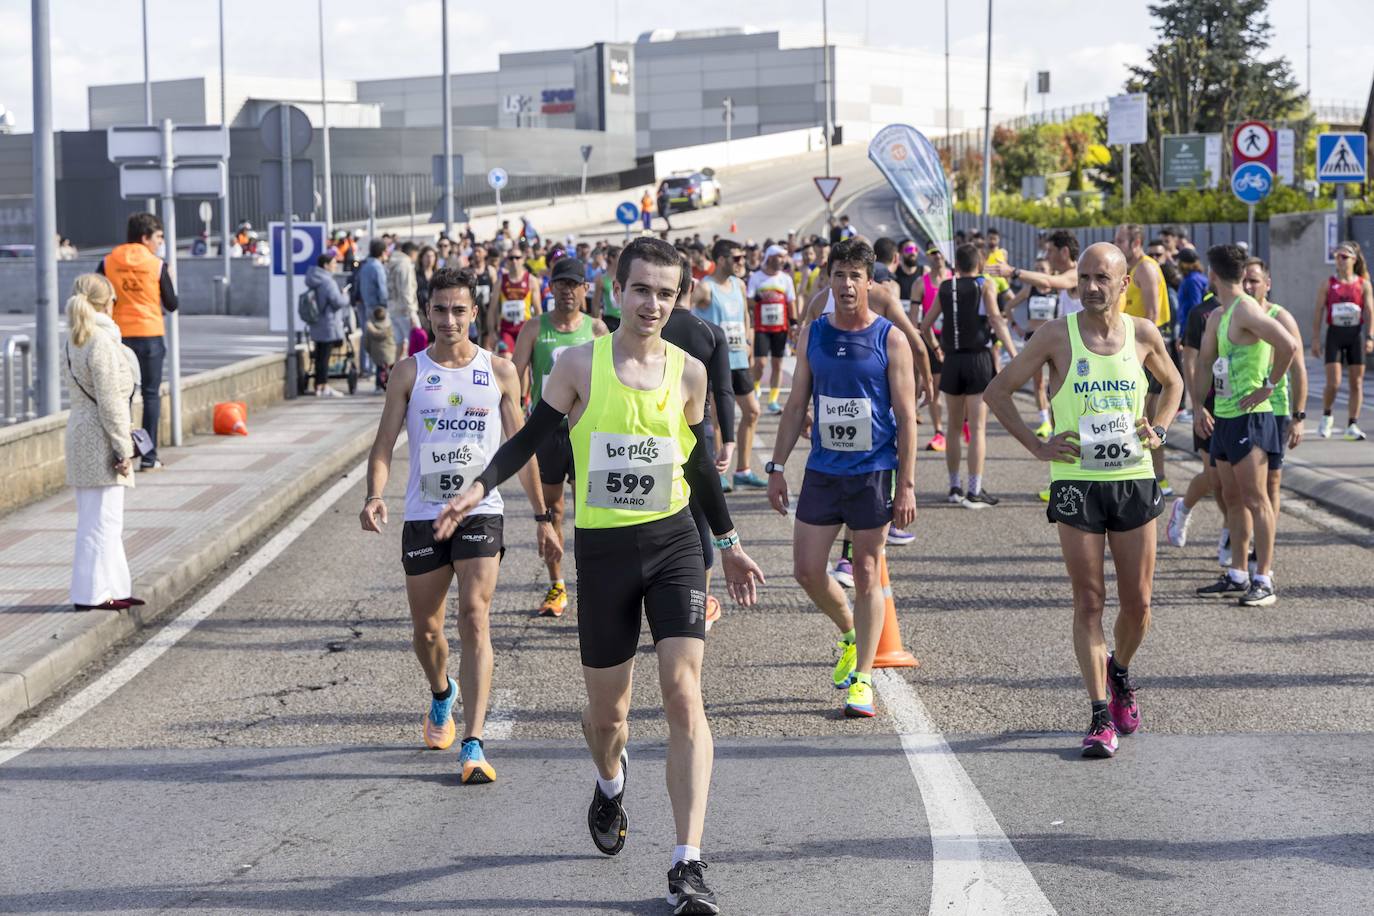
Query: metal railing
x=19 y=345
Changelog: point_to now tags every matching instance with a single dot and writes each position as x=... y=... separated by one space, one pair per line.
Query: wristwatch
x=1160 y=433
x=772 y=467
x=725 y=543
x=1300 y=415
x=545 y=516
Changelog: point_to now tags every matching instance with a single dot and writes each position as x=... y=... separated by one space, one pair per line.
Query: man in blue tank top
x=857 y=377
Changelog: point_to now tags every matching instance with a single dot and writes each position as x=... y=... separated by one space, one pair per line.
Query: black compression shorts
x=1344 y=345
x=770 y=343
x=656 y=567
x=967 y=372
x=741 y=382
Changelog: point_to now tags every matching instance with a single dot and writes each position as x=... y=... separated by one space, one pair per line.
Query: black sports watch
x=1161 y=433
x=772 y=467
x=1300 y=415
x=545 y=516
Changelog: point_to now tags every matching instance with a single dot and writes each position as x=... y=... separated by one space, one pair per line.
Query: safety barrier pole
x=19 y=343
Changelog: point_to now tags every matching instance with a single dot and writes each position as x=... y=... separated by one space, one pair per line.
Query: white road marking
x=500 y=716
x=975 y=868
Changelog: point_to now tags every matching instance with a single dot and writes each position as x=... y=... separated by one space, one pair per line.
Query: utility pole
x=448 y=129
x=729 y=104
x=947 y=133
x=224 y=201
x=169 y=231
x=324 y=135
x=147 y=89
x=49 y=394
x=987 y=130
x=825 y=51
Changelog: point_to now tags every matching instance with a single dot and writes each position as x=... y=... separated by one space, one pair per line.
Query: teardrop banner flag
x=911 y=164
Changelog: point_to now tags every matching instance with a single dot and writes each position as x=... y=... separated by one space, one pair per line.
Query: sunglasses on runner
x=1344 y=256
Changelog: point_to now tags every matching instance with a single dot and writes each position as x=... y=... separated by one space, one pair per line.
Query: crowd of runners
x=636 y=376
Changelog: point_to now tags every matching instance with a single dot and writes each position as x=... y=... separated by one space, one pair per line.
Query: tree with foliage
x=1207 y=73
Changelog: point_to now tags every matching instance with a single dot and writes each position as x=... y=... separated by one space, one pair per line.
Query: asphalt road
x=271 y=760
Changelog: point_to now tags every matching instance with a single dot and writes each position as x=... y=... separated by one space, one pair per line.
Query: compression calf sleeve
x=519 y=449
x=705 y=484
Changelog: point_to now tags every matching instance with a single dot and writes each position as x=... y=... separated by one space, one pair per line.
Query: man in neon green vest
x=1102 y=482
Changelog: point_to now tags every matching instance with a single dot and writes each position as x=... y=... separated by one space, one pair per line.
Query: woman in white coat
x=102 y=376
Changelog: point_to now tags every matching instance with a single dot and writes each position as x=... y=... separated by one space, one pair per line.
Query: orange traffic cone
x=890 y=651
x=734 y=227
x=231 y=419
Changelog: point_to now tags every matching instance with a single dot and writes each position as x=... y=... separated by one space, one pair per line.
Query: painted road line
x=975 y=868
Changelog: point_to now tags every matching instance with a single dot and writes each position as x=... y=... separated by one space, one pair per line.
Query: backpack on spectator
x=308 y=307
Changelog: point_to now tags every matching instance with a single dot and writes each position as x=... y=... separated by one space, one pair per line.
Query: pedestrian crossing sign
x=1341 y=157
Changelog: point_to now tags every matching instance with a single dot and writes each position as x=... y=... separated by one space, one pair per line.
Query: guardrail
x=19 y=345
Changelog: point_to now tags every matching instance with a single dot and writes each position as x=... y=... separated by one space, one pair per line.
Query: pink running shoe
x=936 y=443
x=1100 y=741
x=1121 y=702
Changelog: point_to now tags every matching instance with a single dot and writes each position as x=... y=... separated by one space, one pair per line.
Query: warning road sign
x=826 y=186
x=1341 y=157
x=1253 y=141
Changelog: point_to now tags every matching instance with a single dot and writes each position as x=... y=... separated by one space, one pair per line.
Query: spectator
x=381 y=346
x=646 y=209
x=331 y=325
x=145 y=288
x=401 y=298
x=1193 y=286
x=419 y=338
x=427 y=263
x=442 y=253
x=66 y=251
x=371 y=278
x=102 y=376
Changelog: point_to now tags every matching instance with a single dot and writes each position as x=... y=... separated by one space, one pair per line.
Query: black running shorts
x=967 y=372
x=1099 y=506
x=861 y=501
x=1234 y=437
x=555 y=457
x=1283 y=423
x=1344 y=345
x=770 y=343
x=741 y=382
x=656 y=567
x=478 y=536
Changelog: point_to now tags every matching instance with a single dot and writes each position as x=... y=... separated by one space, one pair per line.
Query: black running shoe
x=1224 y=587
x=687 y=890
x=980 y=500
x=1258 y=595
x=956 y=496
x=606 y=817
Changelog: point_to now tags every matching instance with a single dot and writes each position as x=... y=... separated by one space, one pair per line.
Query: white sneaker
x=1353 y=434
x=328 y=392
x=1324 y=427
x=1224 y=549
x=1177 y=530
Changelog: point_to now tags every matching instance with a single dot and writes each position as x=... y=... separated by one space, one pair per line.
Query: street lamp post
x=147 y=90
x=448 y=130
x=49 y=399
x=224 y=201
x=825 y=51
x=987 y=128
x=324 y=135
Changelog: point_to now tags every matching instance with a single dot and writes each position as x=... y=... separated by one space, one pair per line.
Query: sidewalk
x=216 y=494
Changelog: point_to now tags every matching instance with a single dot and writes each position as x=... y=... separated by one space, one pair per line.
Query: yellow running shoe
x=1045 y=429
x=439 y=728
x=844 y=668
x=555 y=600
x=476 y=770
x=859 y=703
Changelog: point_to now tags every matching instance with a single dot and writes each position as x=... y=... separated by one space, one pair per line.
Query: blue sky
x=98 y=41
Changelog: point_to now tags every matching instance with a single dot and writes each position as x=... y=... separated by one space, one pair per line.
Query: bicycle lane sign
x=1252 y=182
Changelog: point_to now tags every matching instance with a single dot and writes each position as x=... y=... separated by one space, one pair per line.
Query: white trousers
x=100 y=571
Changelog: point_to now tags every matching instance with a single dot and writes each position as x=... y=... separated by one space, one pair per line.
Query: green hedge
x=1150 y=206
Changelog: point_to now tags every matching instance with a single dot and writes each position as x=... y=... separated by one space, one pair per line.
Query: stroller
x=343 y=361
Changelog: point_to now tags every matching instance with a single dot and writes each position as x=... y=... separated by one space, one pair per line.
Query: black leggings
x=323 y=350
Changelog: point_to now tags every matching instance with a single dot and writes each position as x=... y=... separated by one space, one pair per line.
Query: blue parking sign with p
x=308 y=244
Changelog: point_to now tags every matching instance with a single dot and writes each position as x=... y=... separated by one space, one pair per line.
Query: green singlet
x=549 y=344
x=1239 y=370
x=1279 y=399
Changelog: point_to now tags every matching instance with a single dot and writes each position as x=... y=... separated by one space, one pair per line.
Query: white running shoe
x=1324 y=427
x=1177 y=530
x=1354 y=434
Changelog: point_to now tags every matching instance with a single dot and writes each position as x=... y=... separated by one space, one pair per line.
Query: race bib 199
x=845 y=424
x=1221 y=377
x=513 y=310
x=630 y=472
x=1346 y=314
x=447 y=467
x=1042 y=308
x=771 y=314
x=1108 y=442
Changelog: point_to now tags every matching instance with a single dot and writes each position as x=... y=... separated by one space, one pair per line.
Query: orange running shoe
x=555 y=600
x=439 y=728
x=476 y=770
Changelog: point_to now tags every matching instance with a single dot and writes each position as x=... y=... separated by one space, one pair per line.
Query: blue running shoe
x=749 y=479
x=439 y=728
x=896 y=537
x=476 y=770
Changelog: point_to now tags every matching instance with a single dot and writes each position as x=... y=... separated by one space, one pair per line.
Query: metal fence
x=415 y=194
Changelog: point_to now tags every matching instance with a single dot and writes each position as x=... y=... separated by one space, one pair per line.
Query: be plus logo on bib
x=631 y=472
x=845 y=424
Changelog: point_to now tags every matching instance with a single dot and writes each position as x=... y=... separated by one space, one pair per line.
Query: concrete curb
x=92 y=633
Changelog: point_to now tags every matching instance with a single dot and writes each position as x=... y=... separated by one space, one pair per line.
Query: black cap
x=566 y=268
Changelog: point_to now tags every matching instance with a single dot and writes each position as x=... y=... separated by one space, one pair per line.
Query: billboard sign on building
x=557 y=101
x=618 y=68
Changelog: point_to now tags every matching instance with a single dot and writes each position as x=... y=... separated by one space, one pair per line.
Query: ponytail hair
x=91 y=294
x=1361 y=270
